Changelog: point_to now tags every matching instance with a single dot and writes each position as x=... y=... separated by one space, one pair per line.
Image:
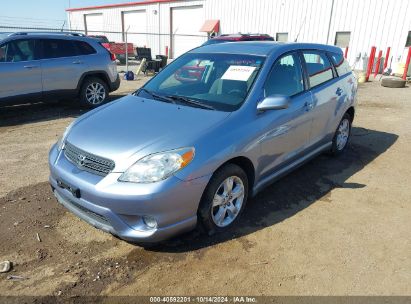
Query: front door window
x=286 y=77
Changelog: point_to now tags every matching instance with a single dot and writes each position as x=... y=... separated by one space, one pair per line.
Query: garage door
x=94 y=24
x=137 y=21
x=186 y=23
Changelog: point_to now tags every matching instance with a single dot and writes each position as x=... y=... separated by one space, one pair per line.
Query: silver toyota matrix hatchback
x=210 y=131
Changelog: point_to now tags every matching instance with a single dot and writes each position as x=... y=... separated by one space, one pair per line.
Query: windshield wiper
x=157 y=96
x=191 y=102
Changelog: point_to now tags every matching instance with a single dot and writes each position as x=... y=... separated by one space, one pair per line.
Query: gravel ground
x=336 y=226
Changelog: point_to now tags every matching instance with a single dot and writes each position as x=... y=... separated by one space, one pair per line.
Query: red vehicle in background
x=194 y=71
x=116 y=48
x=239 y=37
x=190 y=73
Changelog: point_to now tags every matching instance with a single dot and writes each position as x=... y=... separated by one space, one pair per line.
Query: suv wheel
x=94 y=92
x=342 y=135
x=224 y=199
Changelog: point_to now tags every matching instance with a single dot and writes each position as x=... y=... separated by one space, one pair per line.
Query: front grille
x=95 y=216
x=87 y=161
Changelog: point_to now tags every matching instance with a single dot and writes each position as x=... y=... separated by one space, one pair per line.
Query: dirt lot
x=334 y=227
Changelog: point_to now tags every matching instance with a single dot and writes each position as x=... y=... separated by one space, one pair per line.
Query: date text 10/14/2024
x=204 y=299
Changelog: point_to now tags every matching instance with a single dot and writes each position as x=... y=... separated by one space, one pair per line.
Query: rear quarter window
x=341 y=64
x=101 y=39
x=84 y=48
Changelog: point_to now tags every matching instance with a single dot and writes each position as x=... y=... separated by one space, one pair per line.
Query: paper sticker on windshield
x=238 y=72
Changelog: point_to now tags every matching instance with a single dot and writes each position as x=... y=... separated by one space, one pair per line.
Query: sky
x=43 y=13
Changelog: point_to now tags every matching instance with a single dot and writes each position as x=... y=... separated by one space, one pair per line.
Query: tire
x=393 y=82
x=342 y=135
x=87 y=96
x=213 y=219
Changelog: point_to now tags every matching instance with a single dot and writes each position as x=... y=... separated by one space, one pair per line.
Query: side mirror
x=274 y=102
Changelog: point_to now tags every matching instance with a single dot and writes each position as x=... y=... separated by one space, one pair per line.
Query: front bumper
x=118 y=207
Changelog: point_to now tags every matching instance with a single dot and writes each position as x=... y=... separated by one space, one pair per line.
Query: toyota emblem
x=81 y=159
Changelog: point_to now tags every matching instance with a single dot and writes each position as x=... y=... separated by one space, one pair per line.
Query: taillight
x=107 y=48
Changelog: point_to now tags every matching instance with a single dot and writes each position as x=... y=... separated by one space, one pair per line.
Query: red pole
x=377 y=66
x=407 y=64
x=370 y=63
x=167 y=51
x=387 y=57
x=346 y=52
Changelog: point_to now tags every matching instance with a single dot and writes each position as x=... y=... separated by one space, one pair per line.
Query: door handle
x=31 y=66
x=309 y=105
x=339 y=92
x=77 y=62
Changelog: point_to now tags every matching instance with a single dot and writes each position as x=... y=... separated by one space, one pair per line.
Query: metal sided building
x=179 y=25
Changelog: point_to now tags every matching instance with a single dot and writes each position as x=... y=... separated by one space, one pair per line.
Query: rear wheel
x=94 y=92
x=342 y=135
x=224 y=199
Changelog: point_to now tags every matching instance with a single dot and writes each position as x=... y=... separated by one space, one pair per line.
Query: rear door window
x=341 y=65
x=318 y=66
x=56 y=48
x=285 y=77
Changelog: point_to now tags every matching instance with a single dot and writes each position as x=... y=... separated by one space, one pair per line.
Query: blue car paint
x=274 y=142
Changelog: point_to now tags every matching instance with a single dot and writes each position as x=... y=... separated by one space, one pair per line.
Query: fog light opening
x=150 y=222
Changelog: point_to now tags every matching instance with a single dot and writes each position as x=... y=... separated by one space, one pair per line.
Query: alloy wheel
x=343 y=134
x=227 y=201
x=95 y=93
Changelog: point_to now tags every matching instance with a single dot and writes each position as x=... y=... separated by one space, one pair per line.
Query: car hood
x=133 y=127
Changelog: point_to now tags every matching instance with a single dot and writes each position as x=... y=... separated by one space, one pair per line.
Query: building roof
x=143 y=2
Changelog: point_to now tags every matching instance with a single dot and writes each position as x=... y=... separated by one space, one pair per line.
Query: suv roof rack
x=49 y=33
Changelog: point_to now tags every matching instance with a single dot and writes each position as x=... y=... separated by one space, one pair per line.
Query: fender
x=101 y=74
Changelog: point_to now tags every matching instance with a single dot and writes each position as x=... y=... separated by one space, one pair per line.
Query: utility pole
x=67 y=15
x=329 y=23
x=127 y=48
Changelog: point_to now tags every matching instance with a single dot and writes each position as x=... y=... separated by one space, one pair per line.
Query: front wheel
x=224 y=199
x=94 y=92
x=342 y=135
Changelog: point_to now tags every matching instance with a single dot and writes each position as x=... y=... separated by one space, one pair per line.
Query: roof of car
x=261 y=48
x=241 y=36
x=47 y=35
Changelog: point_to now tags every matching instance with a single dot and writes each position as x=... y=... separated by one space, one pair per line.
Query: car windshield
x=215 y=81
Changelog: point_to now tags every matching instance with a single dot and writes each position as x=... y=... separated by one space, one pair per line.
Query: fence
x=158 y=42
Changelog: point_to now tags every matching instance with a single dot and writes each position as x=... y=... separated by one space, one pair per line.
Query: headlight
x=159 y=166
x=62 y=140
